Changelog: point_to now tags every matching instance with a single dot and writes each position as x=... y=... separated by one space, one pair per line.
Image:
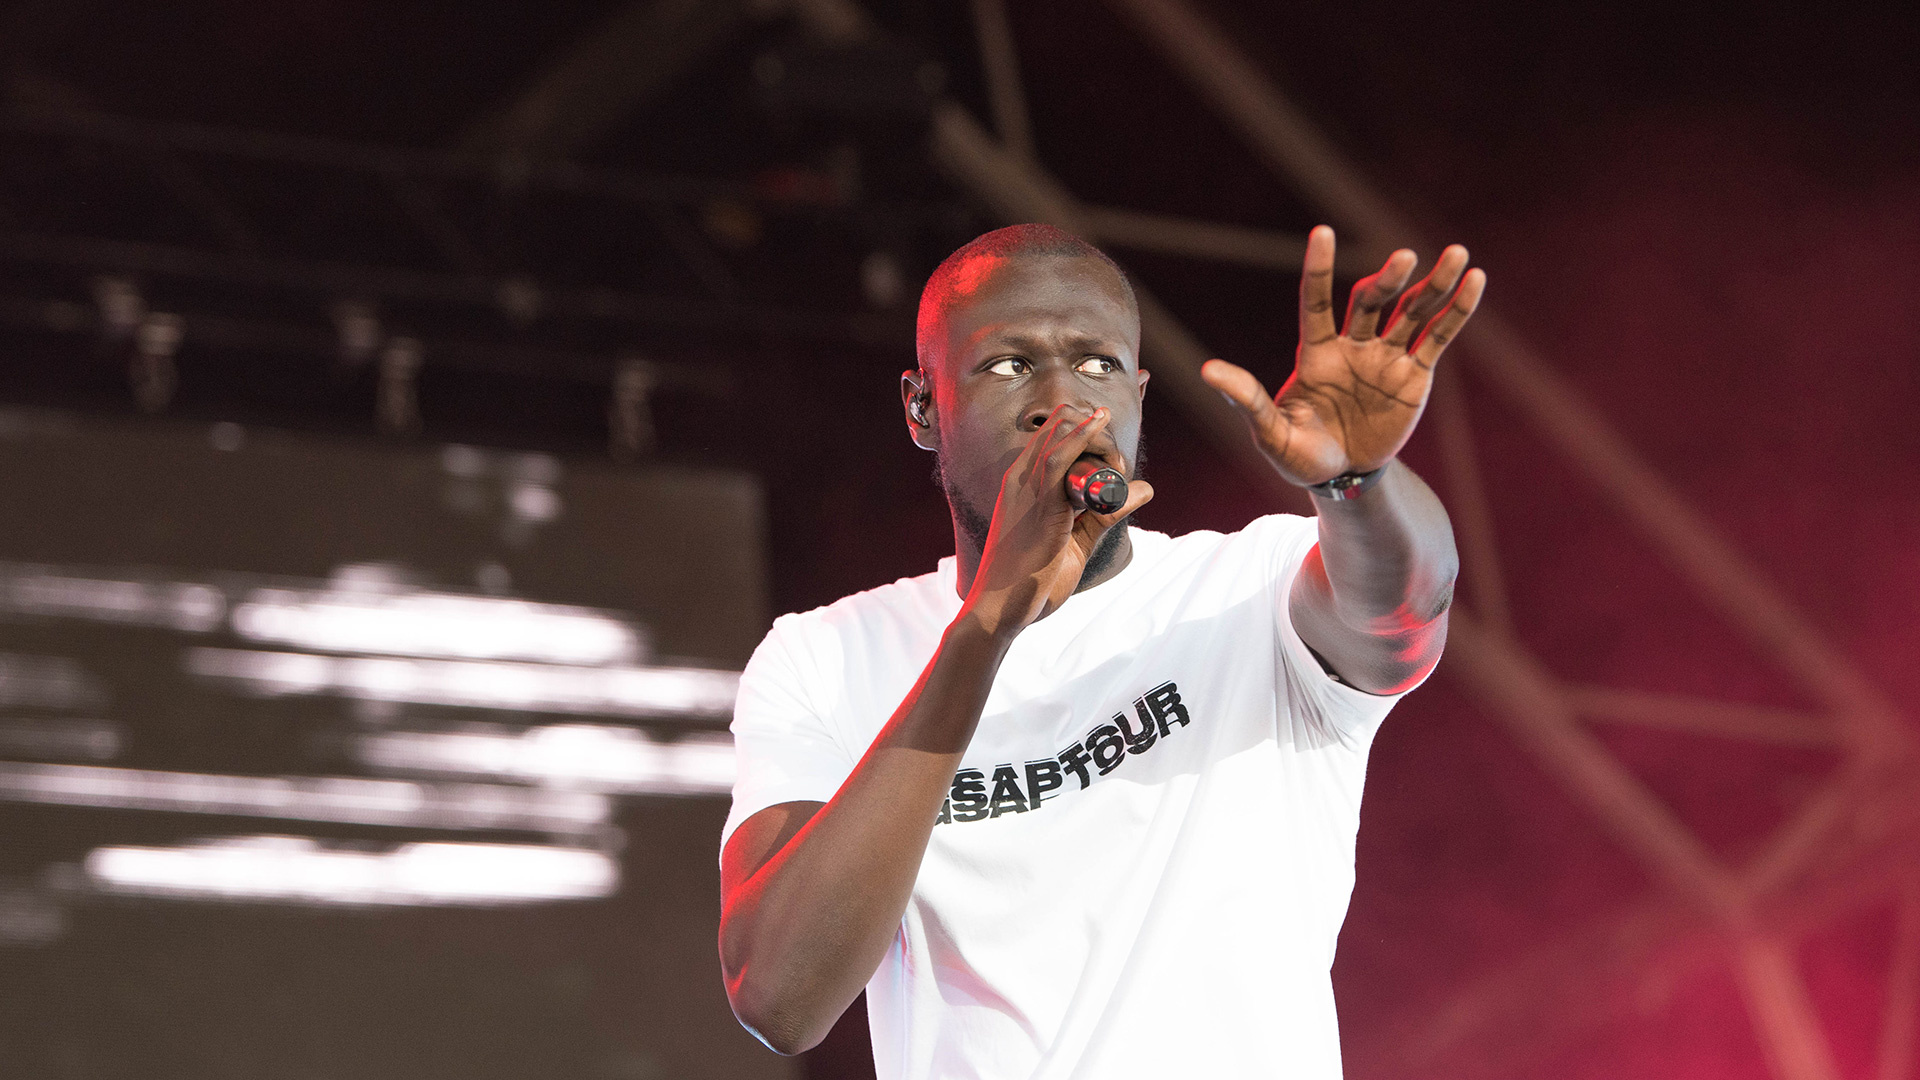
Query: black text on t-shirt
x=980 y=794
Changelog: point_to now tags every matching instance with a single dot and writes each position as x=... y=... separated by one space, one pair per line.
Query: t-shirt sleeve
x=784 y=750
x=1321 y=701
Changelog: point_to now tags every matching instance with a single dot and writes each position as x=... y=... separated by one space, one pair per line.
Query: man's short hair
x=958 y=276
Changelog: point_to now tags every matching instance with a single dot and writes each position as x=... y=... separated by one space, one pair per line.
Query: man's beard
x=976 y=525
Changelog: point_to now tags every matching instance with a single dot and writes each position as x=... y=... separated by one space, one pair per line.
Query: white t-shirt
x=1148 y=851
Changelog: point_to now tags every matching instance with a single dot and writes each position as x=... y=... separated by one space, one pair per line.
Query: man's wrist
x=1349 y=485
x=975 y=628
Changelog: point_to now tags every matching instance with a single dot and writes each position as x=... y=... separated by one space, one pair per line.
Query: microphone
x=1091 y=485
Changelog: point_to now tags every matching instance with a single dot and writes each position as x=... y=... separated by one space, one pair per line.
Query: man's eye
x=1099 y=365
x=1008 y=365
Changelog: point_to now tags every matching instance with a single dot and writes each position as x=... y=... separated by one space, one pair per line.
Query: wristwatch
x=1348 y=485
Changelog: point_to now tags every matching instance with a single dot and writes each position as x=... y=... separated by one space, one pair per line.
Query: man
x=1082 y=802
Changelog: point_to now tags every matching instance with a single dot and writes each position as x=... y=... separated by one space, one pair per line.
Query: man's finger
x=1063 y=418
x=1139 y=492
x=1239 y=386
x=1370 y=294
x=1068 y=443
x=1424 y=301
x=1316 y=288
x=1426 y=352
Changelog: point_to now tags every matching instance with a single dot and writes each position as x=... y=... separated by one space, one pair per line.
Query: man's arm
x=812 y=894
x=1371 y=598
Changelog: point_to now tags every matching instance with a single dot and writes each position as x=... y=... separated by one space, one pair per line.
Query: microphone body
x=1094 y=486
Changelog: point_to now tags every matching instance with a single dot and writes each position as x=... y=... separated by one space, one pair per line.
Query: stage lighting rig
x=575 y=267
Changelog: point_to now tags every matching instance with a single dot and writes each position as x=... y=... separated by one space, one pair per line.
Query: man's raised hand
x=1354 y=395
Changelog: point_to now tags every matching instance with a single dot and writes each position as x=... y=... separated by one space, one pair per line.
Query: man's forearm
x=804 y=933
x=1389 y=554
x=1371 y=596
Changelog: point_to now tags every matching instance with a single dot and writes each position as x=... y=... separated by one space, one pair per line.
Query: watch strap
x=1348 y=485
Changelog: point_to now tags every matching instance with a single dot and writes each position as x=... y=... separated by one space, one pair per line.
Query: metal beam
x=1900 y=1017
x=425 y=165
x=260 y=336
x=1001 y=63
x=606 y=76
x=1284 y=137
x=1810 y=832
x=1868 y=721
x=1699 y=716
x=1784 y=1017
x=1503 y=1023
x=201 y=197
x=336 y=281
x=36 y=91
x=1467 y=501
x=1527 y=699
x=1506 y=1022
x=1166 y=234
x=448 y=240
x=1296 y=150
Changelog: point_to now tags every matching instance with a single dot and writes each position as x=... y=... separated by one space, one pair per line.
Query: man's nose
x=1051 y=392
x=1036 y=418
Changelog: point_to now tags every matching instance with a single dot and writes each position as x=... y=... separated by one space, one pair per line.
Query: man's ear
x=922 y=421
x=1142 y=375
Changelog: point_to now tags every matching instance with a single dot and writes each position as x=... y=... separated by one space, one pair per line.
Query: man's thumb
x=1139 y=492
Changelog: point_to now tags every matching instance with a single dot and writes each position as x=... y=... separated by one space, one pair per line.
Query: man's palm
x=1355 y=395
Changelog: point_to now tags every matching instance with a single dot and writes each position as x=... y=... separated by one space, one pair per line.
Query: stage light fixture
x=119 y=306
x=357 y=323
x=629 y=410
x=152 y=372
x=398 y=405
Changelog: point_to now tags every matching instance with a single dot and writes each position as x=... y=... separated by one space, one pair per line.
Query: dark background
x=1706 y=216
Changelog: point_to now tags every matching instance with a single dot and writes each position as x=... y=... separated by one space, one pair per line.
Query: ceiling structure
x=795 y=167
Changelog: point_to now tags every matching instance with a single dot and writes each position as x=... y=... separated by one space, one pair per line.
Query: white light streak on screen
x=290 y=869
x=351 y=617
x=596 y=691
x=579 y=755
x=30 y=916
x=28 y=589
x=428 y=624
x=90 y=740
x=349 y=800
x=48 y=682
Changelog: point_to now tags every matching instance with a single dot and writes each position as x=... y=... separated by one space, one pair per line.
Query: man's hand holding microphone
x=1041 y=541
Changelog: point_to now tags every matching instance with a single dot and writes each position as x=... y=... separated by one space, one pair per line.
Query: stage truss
x=1850 y=845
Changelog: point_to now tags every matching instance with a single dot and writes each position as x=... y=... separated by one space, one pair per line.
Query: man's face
x=1034 y=333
